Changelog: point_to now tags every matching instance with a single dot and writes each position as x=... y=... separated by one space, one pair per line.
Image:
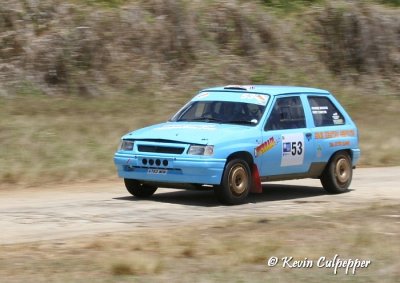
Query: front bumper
x=169 y=168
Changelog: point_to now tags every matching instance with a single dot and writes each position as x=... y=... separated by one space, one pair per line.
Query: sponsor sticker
x=287 y=148
x=257 y=98
x=335 y=134
x=339 y=143
x=202 y=95
x=319 y=109
x=292 y=149
x=264 y=147
x=335 y=116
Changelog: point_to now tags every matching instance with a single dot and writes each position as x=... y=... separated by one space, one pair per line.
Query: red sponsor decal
x=339 y=143
x=264 y=147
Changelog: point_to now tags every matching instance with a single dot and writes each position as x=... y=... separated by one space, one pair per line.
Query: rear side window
x=288 y=113
x=324 y=112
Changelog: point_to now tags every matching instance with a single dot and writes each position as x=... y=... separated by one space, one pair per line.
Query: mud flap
x=256 y=186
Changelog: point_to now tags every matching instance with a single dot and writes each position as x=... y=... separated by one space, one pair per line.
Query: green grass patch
x=104 y=3
x=391 y=2
x=288 y=6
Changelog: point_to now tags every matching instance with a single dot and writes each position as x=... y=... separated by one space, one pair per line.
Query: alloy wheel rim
x=238 y=180
x=342 y=170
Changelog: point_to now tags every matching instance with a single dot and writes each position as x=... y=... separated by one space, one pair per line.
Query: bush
x=358 y=39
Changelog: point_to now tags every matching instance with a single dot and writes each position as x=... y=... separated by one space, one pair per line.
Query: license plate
x=157 y=171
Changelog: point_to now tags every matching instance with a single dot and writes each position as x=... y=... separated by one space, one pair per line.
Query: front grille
x=160 y=149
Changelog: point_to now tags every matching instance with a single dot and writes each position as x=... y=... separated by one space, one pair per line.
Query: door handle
x=308 y=136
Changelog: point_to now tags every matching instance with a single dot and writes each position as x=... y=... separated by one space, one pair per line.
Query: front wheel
x=138 y=189
x=338 y=174
x=235 y=184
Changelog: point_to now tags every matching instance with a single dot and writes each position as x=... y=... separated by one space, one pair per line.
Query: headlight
x=207 y=150
x=126 y=145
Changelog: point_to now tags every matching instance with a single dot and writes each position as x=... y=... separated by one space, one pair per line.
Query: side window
x=324 y=112
x=288 y=113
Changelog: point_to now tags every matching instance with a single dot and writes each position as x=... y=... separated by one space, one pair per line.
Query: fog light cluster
x=151 y=162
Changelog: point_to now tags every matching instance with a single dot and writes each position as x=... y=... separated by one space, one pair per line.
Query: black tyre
x=138 y=189
x=337 y=176
x=236 y=182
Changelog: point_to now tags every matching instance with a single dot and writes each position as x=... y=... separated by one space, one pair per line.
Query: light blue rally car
x=235 y=137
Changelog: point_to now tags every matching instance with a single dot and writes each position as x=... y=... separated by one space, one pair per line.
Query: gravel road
x=37 y=214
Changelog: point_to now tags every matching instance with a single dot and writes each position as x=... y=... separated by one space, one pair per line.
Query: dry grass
x=59 y=140
x=218 y=251
x=137 y=265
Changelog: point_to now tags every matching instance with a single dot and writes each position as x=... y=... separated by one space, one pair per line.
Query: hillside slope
x=98 y=47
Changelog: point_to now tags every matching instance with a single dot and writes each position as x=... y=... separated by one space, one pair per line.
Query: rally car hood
x=189 y=132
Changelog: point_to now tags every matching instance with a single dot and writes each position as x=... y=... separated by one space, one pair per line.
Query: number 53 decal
x=297 y=148
x=292 y=149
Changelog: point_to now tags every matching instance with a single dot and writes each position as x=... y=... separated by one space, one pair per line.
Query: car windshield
x=227 y=112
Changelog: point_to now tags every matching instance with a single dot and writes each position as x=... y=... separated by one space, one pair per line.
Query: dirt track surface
x=87 y=209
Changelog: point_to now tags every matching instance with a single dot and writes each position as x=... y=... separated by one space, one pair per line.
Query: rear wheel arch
x=337 y=175
x=346 y=151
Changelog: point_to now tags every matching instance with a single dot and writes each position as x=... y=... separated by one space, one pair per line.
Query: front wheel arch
x=236 y=182
x=243 y=155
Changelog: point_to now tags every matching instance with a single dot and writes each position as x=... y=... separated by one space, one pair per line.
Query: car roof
x=267 y=89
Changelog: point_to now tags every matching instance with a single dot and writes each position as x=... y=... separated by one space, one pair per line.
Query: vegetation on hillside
x=116 y=46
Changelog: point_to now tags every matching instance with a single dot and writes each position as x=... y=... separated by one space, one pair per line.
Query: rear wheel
x=139 y=189
x=338 y=174
x=235 y=184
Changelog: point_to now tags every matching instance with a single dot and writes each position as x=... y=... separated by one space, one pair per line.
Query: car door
x=287 y=141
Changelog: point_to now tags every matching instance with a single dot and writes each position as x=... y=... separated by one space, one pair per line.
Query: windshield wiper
x=244 y=122
x=200 y=119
